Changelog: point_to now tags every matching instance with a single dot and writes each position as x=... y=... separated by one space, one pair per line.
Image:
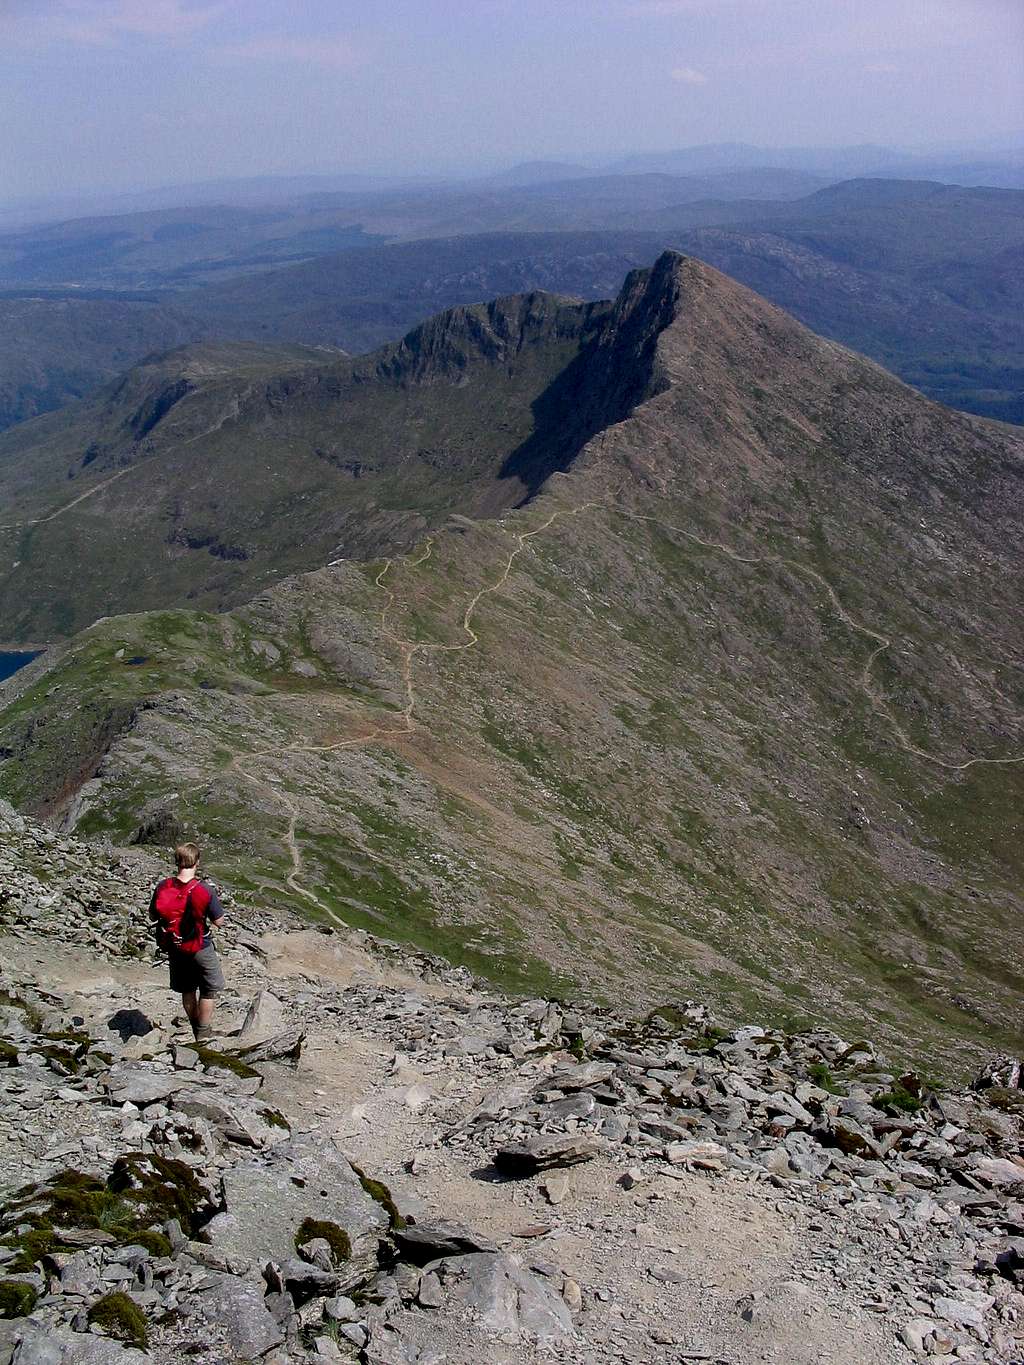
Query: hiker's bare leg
x=190 y=1004
x=204 y=1011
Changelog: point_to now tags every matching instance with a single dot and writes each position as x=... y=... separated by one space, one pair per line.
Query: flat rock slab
x=267 y=1197
x=138 y=1083
x=507 y=1296
x=580 y=1077
x=540 y=1153
x=285 y=1047
x=237 y=1305
x=423 y=1242
x=247 y=1121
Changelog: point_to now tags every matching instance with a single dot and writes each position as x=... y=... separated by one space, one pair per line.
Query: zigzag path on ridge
x=67 y=506
x=409 y=649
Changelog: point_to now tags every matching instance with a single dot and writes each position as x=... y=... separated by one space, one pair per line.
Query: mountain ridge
x=641 y=729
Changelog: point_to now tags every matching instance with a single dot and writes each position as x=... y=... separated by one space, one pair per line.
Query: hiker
x=182 y=907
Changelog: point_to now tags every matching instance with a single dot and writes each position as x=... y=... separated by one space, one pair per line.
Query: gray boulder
x=237 y=1118
x=540 y=1153
x=429 y=1241
x=282 y=1047
x=265 y=1018
x=268 y=1197
x=238 y=1307
x=36 y=1344
x=507 y=1296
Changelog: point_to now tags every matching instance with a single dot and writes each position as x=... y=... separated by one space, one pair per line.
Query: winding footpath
x=881 y=642
x=410 y=650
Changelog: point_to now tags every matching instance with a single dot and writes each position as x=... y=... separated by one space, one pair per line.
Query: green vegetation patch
x=143 y=1190
x=821 y=1075
x=160 y=1188
x=223 y=1061
x=905 y=1097
x=378 y=1191
x=336 y=1237
x=119 y=1317
x=17 y=1299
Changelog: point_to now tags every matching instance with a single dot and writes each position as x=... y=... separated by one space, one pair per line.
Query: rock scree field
x=380 y=1159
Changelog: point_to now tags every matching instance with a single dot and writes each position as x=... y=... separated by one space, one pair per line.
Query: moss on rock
x=1010 y=1101
x=336 y=1237
x=159 y=1188
x=223 y=1061
x=143 y=1190
x=17 y=1299
x=156 y=1243
x=30 y=1248
x=119 y=1317
x=377 y=1190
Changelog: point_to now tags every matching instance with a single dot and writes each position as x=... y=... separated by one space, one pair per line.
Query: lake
x=12 y=660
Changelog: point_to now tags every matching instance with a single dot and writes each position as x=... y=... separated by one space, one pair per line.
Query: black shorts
x=196 y=972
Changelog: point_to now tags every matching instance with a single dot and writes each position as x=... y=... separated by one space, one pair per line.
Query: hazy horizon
x=123 y=96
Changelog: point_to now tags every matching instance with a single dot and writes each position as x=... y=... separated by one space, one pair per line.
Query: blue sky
x=132 y=93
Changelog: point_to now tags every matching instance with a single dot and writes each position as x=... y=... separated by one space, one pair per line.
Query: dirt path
x=409 y=650
x=881 y=642
x=52 y=516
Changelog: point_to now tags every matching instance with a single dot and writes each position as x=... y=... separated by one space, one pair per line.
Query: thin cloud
x=688 y=75
x=338 y=52
x=660 y=8
x=882 y=68
x=101 y=23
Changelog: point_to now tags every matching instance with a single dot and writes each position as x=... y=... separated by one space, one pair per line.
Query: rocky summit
x=379 y=1159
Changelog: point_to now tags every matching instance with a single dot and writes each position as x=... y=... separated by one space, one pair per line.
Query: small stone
x=555 y=1188
x=340 y=1308
x=572 y=1294
x=915 y=1333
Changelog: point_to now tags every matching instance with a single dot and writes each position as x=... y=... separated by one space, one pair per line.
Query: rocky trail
x=378 y=1160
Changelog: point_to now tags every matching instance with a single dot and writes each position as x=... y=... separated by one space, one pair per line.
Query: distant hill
x=56 y=348
x=170 y=247
x=175 y=247
x=921 y=277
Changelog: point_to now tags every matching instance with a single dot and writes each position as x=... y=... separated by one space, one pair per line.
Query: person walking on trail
x=183 y=907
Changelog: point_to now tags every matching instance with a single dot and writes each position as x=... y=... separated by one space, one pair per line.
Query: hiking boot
x=203 y=1033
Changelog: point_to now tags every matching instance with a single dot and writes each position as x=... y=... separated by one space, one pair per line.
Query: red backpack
x=180 y=911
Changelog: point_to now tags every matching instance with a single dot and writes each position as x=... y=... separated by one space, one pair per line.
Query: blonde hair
x=186 y=855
